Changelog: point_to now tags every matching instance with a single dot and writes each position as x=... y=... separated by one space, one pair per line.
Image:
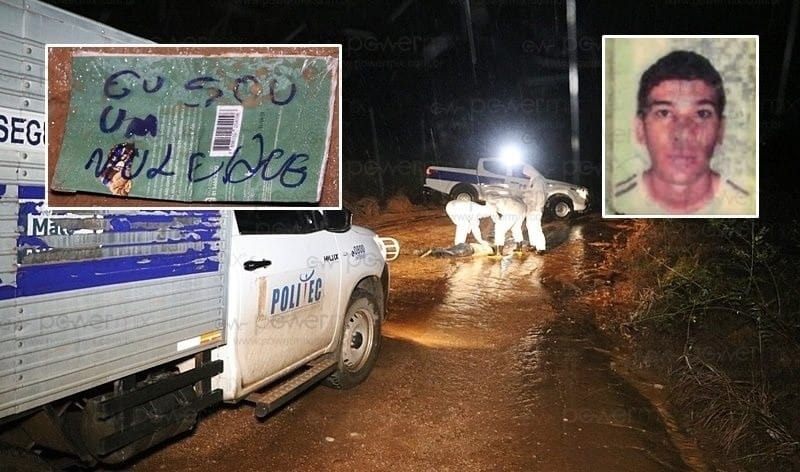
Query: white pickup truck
x=494 y=175
x=118 y=327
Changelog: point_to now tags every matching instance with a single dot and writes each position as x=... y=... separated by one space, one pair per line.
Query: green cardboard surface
x=222 y=128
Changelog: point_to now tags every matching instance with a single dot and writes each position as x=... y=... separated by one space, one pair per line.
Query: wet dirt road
x=487 y=364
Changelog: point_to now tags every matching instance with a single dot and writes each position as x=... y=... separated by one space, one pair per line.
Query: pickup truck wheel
x=360 y=342
x=560 y=207
x=465 y=193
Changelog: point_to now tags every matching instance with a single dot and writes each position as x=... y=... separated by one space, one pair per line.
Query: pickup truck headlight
x=583 y=192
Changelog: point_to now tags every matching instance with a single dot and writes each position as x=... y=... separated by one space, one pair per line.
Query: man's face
x=680 y=128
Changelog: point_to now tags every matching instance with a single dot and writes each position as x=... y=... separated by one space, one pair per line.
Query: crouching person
x=467 y=217
x=512 y=214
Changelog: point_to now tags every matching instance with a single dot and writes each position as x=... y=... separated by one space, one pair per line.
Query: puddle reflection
x=480 y=296
x=480 y=290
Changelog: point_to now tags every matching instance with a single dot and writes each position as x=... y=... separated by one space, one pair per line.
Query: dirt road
x=487 y=364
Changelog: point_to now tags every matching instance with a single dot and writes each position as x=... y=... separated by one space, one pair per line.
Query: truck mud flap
x=289 y=388
x=118 y=425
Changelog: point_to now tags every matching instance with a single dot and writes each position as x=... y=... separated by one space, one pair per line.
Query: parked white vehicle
x=493 y=175
x=117 y=328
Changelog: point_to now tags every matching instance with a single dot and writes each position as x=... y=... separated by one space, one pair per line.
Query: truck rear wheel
x=360 y=342
x=560 y=207
x=464 y=192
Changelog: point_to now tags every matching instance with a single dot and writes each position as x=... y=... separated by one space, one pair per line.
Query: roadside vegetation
x=718 y=314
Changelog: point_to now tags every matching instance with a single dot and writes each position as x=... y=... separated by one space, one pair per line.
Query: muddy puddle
x=595 y=418
x=561 y=401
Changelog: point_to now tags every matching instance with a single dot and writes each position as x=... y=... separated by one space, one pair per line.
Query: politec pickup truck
x=493 y=175
x=117 y=328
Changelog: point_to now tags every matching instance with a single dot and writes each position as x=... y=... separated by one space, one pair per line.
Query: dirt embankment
x=706 y=318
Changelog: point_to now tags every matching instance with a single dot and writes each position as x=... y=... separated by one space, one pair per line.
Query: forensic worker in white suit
x=467 y=215
x=534 y=196
x=512 y=212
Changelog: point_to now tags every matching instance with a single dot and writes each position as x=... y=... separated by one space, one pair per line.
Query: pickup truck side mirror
x=338 y=221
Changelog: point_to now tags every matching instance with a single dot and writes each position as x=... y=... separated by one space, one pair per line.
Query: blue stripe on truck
x=60 y=251
x=50 y=278
x=30 y=192
x=465 y=177
x=455 y=176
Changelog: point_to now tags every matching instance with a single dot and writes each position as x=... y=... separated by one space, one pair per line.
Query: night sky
x=410 y=63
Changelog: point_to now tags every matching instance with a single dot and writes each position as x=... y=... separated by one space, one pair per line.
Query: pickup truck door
x=284 y=278
x=495 y=171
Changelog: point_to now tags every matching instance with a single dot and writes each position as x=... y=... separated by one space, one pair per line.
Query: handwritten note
x=190 y=128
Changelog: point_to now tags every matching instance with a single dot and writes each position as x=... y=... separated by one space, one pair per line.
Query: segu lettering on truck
x=21 y=130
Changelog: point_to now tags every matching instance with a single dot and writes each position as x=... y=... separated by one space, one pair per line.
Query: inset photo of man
x=680 y=134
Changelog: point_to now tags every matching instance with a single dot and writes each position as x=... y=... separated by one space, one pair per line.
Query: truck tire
x=559 y=207
x=464 y=192
x=359 y=343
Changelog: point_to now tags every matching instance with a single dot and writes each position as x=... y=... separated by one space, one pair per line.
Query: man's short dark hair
x=680 y=65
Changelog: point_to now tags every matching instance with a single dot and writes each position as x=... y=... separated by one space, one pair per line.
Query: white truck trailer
x=118 y=328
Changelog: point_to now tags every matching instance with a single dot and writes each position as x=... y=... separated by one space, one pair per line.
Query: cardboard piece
x=227 y=128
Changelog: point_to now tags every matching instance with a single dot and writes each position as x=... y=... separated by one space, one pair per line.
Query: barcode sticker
x=227 y=125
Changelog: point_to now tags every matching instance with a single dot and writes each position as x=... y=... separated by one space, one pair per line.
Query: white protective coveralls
x=467 y=217
x=534 y=196
x=512 y=211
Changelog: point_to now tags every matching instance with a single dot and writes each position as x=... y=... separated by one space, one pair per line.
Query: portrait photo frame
x=735 y=159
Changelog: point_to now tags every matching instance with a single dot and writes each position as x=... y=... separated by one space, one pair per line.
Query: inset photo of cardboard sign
x=211 y=125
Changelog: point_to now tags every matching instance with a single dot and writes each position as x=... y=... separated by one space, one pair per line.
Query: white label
x=188 y=343
x=20 y=130
x=227 y=125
